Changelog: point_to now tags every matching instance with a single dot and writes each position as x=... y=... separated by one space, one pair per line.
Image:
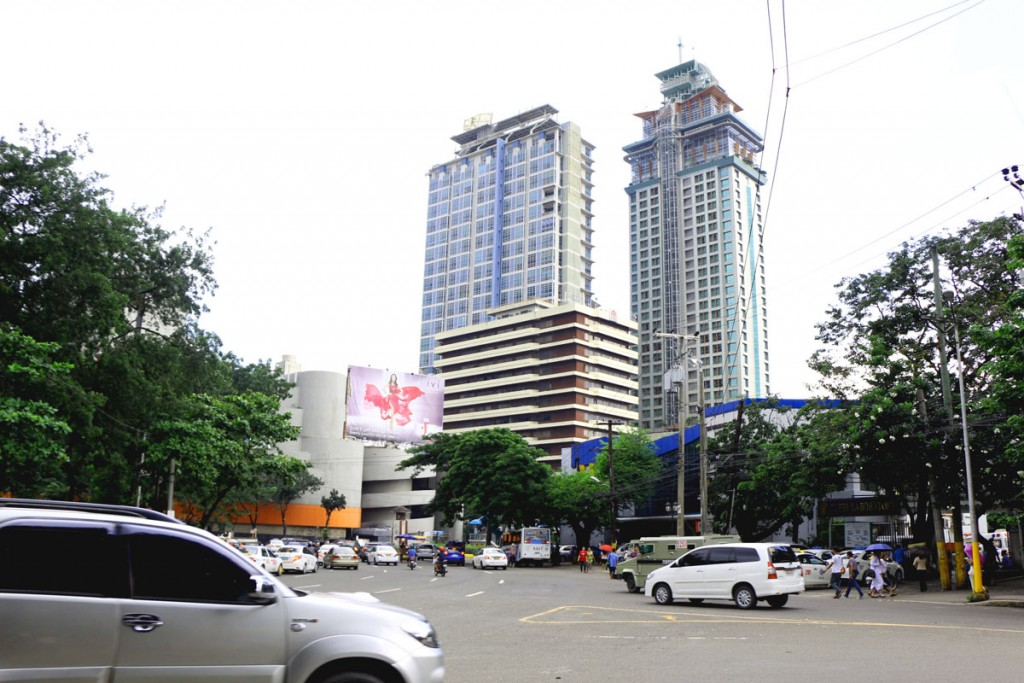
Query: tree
x=293 y=480
x=113 y=291
x=884 y=334
x=221 y=445
x=331 y=502
x=33 y=434
x=634 y=465
x=489 y=472
x=579 y=501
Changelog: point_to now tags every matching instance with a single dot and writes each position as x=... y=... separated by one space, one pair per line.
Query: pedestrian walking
x=836 y=565
x=921 y=569
x=590 y=559
x=582 y=559
x=851 y=571
x=879 y=568
x=613 y=561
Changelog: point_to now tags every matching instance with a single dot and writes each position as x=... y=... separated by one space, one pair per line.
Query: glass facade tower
x=696 y=267
x=508 y=221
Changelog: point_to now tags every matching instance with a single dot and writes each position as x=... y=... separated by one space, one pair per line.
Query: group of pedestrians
x=845 y=566
x=585 y=559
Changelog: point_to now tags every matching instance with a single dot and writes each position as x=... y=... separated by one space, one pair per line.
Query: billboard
x=393 y=406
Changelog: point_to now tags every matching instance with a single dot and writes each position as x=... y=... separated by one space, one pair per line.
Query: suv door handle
x=142 y=623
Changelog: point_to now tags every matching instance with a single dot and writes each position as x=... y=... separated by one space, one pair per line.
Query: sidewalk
x=1008 y=592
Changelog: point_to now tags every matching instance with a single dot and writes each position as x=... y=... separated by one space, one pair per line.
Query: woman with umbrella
x=879 y=567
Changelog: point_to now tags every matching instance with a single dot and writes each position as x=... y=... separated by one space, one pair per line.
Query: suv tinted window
x=79 y=560
x=168 y=567
x=781 y=554
x=746 y=555
x=695 y=558
x=717 y=555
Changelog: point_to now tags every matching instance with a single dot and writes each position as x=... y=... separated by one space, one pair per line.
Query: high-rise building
x=508 y=221
x=555 y=375
x=696 y=267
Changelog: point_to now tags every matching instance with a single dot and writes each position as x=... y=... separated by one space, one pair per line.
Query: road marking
x=473 y=595
x=501 y=582
x=570 y=615
x=310 y=585
x=364 y=578
x=389 y=590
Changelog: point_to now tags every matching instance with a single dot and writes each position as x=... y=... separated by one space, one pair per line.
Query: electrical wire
x=886 y=47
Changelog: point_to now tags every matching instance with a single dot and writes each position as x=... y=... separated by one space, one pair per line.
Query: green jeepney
x=653 y=552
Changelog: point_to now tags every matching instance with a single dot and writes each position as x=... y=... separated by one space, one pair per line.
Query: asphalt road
x=557 y=624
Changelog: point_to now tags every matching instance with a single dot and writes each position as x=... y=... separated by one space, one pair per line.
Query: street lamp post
x=701 y=405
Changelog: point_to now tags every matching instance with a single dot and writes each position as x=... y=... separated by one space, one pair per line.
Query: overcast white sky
x=301 y=133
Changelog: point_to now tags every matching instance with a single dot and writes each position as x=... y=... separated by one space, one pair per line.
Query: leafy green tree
x=33 y=434
x=114 y=292
x=292 y=482
x=634 y=465
x=489 y=472
x=883 y=338
x=577 y=500
x=220 y=446
x=331 y=502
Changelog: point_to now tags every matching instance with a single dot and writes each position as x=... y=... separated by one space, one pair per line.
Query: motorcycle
x=412 y=563
x=440 y=569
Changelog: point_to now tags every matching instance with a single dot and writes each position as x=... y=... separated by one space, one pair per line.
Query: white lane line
x=364 y=578
x=473 y=595
x=389 y=590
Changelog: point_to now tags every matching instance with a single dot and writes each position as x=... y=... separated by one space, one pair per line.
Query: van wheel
x=630 y=583
x=778 y=601
x=662 y=594
x=744 y=596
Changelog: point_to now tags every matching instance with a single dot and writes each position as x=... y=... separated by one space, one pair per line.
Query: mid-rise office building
x=696 y=266
x=554 y=374
x=508 y=221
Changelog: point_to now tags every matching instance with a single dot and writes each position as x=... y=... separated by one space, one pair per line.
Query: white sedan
x=490 y=557
x=297 y=558
x=382 y=554
x=263 y=557
x=817 y=572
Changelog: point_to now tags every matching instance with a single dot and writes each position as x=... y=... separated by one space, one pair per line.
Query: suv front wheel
x=662 y=594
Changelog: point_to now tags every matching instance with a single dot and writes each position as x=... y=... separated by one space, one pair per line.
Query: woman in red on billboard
x=393 y=406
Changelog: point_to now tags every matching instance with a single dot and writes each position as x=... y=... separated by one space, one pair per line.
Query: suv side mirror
x=262 y=592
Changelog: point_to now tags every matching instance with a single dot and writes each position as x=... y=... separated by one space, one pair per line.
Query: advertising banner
x=400 y=407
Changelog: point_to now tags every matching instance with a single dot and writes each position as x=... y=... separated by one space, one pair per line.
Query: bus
x=533 y=546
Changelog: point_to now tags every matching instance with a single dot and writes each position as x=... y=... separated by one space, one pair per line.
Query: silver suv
x=133 y=594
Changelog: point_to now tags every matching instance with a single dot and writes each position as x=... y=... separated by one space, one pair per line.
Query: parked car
x=742 y=572
x=383 y=554
x=125 y=610
x=567 y=552
x=263 y=557
x=454 y=556
x=341 y=557
x=492 y=558
x=817 y=572
x=865 y=573
x=297 y=558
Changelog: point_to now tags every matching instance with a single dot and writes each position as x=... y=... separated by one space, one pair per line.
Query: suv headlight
x=421 y=631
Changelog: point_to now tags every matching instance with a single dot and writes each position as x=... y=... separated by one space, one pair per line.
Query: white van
x=741 y=572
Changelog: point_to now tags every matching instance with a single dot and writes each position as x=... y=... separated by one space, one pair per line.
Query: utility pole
x=611 y=473
x=947 y=404
x=684 y=390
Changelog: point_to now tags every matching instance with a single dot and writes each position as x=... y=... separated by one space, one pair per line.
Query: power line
x=886 y=47
x=879 y=33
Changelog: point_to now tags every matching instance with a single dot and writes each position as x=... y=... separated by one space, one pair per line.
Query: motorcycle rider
x=440 y=567
x=412 y=558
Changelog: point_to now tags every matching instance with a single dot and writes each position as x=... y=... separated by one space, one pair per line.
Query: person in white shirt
x=836 y=564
